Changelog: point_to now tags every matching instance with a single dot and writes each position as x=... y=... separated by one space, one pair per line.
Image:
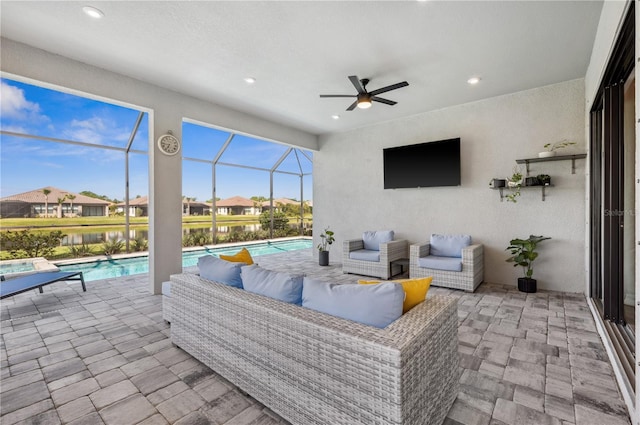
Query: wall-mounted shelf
x=543 y=189
x=573 y=158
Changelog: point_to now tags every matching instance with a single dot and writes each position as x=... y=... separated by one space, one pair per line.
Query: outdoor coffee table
x=9 y=288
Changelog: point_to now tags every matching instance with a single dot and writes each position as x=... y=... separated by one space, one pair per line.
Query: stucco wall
x=349 y=194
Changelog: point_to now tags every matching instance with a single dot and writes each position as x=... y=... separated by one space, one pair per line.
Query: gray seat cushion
x=441 y=263
x=365 y=255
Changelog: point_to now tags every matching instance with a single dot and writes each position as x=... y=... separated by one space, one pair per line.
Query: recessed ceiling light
x=335 y=117
x=92 y=12
x=249 y=80
x=474 y=80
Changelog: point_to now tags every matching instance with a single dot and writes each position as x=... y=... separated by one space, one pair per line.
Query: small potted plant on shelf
x=523 y=253
x=551 y=148
x=544 y=179
x=326 y=239
x=514 y=183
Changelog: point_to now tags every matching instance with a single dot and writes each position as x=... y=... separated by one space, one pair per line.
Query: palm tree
x=60 y=202
x=188 y=199
x=71 y=198
x=46 y=201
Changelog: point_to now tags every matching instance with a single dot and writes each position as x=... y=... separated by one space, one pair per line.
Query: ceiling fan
x=364 y=98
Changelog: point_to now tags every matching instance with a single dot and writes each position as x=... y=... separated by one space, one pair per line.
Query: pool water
x=16 y=267
x=105 y=269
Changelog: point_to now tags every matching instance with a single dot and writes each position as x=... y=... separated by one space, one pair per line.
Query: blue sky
x=28 y=164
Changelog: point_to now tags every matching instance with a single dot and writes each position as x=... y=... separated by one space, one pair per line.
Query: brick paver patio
x=105 y=356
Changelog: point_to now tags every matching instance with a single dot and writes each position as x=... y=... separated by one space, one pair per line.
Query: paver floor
x=105 y=356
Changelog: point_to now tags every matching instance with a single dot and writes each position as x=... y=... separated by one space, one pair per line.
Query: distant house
x=139 y=207
x=279 y=202
x=196 y=208
x=237 y=205
x=36 y=204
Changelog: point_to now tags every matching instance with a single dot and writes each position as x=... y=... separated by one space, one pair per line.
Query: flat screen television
x=422 y=165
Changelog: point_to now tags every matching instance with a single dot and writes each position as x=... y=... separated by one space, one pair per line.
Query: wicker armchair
x=468 y=279
x=382 y=268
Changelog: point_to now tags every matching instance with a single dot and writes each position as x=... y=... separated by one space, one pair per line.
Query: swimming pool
x=105 y=269
x=13 y=268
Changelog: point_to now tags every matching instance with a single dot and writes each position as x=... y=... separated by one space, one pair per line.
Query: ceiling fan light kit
x=364 y=98
x=364 y=102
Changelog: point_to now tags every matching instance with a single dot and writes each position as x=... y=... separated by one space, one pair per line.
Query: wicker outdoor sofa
x=313 y=368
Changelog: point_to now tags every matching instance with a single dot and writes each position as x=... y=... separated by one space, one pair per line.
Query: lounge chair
x=9 y=288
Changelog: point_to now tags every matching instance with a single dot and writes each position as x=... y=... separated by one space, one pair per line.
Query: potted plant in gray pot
x=523 y=253
x=326 y=239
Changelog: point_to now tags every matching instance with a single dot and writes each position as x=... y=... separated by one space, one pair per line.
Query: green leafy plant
x=550 y=147
x=27 y=244
x=280 y=220
x=113 y=247
x=514 y=183
x=326 y=239
x=523 y=253
x=543 y=178
x=83 y=250
x=139 y=244
x=199 y=238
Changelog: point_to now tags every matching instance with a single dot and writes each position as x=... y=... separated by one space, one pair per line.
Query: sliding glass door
x=612 y=198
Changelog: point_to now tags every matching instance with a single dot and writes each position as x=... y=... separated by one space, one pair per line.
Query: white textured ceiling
x=298 y=50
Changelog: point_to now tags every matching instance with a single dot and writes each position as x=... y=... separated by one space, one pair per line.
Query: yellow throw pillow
x=241 y=257
x=415 y=290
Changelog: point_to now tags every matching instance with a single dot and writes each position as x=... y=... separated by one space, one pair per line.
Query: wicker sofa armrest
x=394 y=250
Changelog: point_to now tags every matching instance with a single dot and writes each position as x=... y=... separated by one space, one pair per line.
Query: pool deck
x=105 y=356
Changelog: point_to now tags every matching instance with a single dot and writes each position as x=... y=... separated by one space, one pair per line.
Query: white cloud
x=14 y=128
x=14 y=105
x=96 y=130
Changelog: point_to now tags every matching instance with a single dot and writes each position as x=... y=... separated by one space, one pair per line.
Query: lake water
x=86 y=236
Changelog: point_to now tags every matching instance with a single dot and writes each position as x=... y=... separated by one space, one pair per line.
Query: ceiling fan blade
x=356 y=83
x=338 y=95
x=381 y=100
x=353 y=106
x=389 y=88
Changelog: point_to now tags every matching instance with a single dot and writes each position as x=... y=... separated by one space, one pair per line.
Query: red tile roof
x=235 y=201
x=37 y=197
